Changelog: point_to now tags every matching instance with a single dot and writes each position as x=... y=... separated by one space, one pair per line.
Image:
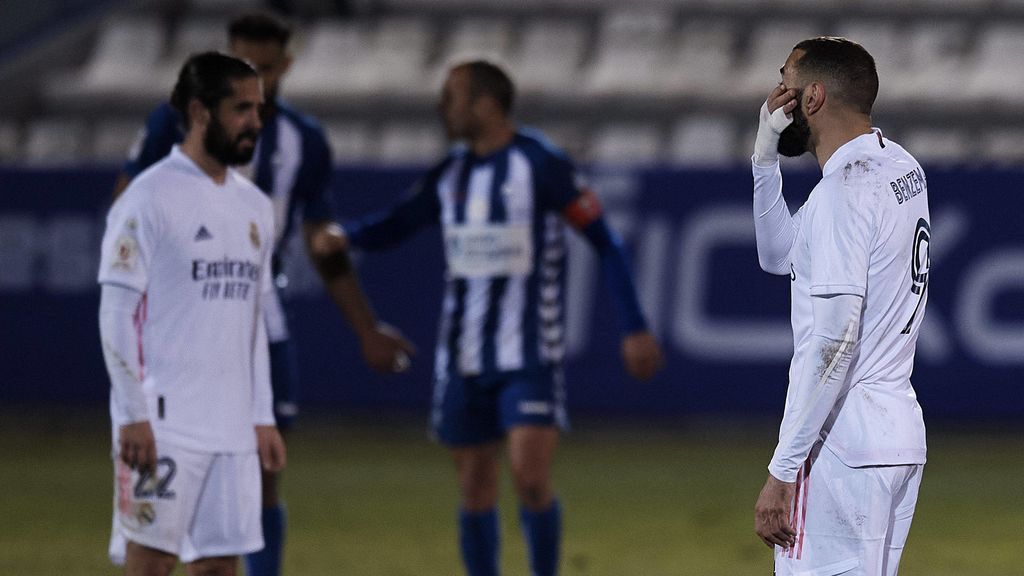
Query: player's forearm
x=119 y=334
x=347 y=293
x=820 y=379
x=774 y=227
x=617 y=277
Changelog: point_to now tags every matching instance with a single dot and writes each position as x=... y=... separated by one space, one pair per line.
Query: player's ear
x=814 y=97
x=198 y=113
x=286 y=62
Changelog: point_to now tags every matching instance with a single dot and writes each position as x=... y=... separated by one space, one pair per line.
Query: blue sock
x=543 y=533
x=479 y=540
x=267 y=562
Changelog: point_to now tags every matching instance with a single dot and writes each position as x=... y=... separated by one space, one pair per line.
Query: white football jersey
x=200 y=253
x=864 y=230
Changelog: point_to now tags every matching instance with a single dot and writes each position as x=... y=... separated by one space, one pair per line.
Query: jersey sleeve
x=313 y=185
x=564 y=191
x=839 y=240
x=263 y=398
x=130 y=239
x=154 y=141
x=421 y=207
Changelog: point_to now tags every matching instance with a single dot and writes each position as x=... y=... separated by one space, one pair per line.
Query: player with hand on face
x=844 y=479
x=184 y=270
x=502 y=201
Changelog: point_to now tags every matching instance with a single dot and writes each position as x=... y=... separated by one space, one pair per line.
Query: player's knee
x=534 y=490
x=479 y=496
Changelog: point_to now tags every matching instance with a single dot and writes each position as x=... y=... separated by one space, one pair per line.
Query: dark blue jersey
x=292 y=163
x=503 y=221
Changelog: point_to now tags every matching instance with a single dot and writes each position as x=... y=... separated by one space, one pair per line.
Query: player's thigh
x=465 y=412
x=227 y=521
x=842 y=517
x=531 y=450
x=156 y=509
x=904 y=504
x=145 y=561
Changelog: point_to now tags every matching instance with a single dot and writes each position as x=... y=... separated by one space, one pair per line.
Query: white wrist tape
x=769 y=128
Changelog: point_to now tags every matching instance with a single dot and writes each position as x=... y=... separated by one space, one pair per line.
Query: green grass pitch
x=378 y=499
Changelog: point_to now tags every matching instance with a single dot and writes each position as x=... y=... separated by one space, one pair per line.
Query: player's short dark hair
x=488 y=78
x=844 y=65
x=259 y=27
x=207 y=77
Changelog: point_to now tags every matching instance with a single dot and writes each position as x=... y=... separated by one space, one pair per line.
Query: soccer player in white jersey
x=186 y=258
x=292 y=166
x=843 y=482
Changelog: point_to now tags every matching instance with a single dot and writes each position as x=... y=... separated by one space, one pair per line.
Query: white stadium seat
x=626 y=144
x=996 y=73
x=55 y=141
x=549 y=55
x=336 y=61
x=939 y=145
x=400 y=52
x=350 y=142
x=701 y=60
x=770 y=45
x=407 y=143
x=703 y=140
x=112 y=139
x=122 y=60
x=10 y=148
x=629 y=52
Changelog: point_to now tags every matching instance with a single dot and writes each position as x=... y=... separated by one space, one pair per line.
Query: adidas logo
x=203 y=234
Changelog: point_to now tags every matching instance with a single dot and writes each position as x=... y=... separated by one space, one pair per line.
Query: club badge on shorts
x=145 y=513
x=254 y=235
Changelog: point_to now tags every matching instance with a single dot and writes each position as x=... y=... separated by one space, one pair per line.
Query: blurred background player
x=186 y=255
x=501 y=201
x=292 y=165
x=843 y=483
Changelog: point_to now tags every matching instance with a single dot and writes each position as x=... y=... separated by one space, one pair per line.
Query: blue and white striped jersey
x=292 y=163
x=503 y=222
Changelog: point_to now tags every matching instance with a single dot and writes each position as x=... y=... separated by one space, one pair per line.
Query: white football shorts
x=197 y=505
x=849 y=521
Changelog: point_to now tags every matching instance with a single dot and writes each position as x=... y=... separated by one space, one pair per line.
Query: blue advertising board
x=723 y=322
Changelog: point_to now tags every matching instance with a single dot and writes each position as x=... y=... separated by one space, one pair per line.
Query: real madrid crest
x=254 y=235
x=145 y=513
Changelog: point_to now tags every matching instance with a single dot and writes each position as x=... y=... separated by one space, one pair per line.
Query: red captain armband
x=585 y=209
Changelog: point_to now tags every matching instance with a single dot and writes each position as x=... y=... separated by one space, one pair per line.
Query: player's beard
x=226 y=150
x=795 y=139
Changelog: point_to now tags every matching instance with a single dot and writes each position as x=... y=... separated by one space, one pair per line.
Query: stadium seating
x=586 y=68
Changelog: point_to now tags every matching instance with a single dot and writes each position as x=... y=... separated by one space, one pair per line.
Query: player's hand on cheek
x=781 y=97
x=386 y=350
x=138 y=446
x=271 y=448
x=641 y=354
x=771 y=513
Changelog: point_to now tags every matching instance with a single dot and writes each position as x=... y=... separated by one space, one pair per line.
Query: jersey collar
x=868 y=143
